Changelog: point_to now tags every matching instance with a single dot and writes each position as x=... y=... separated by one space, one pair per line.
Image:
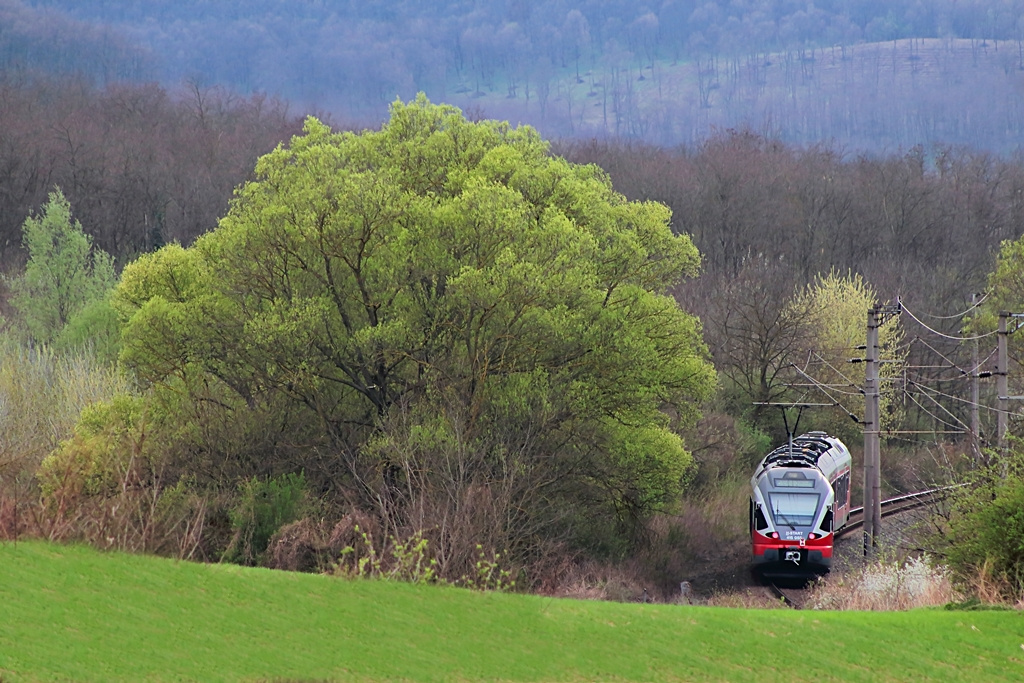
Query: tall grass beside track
x=72 y=613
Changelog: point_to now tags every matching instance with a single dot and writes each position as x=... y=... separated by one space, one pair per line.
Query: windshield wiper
x=783 y=518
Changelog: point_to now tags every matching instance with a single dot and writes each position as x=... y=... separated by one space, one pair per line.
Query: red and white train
x=800 y=496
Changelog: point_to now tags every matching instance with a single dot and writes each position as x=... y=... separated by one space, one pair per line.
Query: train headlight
x=775 y=534
x=811 y=537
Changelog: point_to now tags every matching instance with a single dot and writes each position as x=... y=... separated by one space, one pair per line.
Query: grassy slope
x=70 y=613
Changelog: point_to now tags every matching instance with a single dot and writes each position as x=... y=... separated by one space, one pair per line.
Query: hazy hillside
x=870 y=74
x=882 y=97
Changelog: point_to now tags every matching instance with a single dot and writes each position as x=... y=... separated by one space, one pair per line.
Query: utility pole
x=871 y=438
x=1002 y=377
x=1002 y=371
x=872 y=428
x=975 y=395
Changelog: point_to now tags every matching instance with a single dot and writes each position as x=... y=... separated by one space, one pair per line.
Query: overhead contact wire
x=943 y=334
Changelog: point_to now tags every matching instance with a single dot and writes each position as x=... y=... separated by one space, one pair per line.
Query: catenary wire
x=973 y=306
x=943 y=334
x=951 y=397
x=960 y=423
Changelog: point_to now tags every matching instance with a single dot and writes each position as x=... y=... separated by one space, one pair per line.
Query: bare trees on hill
x=937 y=214
x=769 y=217
x=874 y=75
x=139 y=167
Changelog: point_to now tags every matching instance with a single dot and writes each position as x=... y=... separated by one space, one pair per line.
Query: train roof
x=807 y=451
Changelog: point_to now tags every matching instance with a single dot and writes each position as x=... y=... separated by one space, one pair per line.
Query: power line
x=952 y=363
x=973 y=306
x=936 y=417
x=823 y=389
x=943 y=334
x=834 y=387
x=951 y=397
x=835 y=369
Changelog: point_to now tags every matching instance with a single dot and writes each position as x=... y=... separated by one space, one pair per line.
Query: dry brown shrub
x=886 y=586
x=591 y=580
x=17 y=518
x=554 y=561
x=702 y=546
x=705 y=542
x=921 y=466
x=348 y=531
x=992 y=588
x=719 y=452
x=302 y=546
x=19 y=508
x=137 y=513
x=750 y=598
x=9 y=525
x=717 y=517
x=44 y=394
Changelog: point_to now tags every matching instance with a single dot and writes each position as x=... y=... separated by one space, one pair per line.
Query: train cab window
x=826 y=522
x=794 y=509
x=760 y=523
x=794 y=479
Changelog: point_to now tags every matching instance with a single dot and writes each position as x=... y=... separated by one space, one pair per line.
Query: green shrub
x=986 y=528
x=95 y=327
x=753 y=443
x=107 y=442
x=407 y=560
x=263 y=507
x=108 y=485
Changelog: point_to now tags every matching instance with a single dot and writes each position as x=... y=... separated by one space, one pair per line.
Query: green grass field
x=71 y=613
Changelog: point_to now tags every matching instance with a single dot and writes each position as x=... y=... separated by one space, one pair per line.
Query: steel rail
x=780 y=595
x=896 y=505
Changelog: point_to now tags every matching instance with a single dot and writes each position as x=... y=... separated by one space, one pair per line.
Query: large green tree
x=438 y=286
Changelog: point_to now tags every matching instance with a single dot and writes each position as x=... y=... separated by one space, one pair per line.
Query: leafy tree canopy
x=443 y=262
x=1005 y=295
x=836 y=307
x=1005 y=287
x=64 y=275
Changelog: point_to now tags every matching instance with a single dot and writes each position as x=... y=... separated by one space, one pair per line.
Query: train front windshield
x=793 y=509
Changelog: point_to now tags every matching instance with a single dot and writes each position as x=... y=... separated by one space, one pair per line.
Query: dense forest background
x=870 y=75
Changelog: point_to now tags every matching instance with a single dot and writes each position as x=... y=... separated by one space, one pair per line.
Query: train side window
x=842 y=488
x=826 y=521
x=760 y=522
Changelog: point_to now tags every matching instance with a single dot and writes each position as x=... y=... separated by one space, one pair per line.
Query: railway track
x=795 y=597
x=894 y=506
x=790 y=597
